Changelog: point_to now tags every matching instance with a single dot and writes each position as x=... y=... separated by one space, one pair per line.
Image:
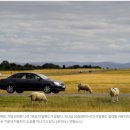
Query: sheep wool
x=85 y=87
x=114 y=93
x=38 y=96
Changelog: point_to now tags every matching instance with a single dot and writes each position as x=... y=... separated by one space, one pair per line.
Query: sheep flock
x=41 y=97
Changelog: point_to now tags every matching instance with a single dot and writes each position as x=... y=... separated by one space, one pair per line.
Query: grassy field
x=99 y=79
x=64 y=104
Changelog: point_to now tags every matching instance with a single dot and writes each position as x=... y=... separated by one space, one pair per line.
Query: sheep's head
x=90 y=90
x=79 y=83
x=110 y=89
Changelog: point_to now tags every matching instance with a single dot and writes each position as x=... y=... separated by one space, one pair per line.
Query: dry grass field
x=64 y=104
x=100 y=80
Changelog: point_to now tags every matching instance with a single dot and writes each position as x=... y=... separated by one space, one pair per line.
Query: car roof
x=27 y=73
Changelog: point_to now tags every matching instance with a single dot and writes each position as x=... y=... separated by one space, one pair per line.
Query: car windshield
x=43 y=76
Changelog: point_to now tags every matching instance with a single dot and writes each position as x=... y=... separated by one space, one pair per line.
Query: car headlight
x=57 y=83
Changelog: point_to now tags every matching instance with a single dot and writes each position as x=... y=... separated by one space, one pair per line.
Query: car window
x=20 y=75
x=37 y=77
x=23 y=77
x=32 y=76
x=42 y=76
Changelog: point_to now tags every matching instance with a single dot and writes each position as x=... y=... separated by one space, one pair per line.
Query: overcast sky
x=64 y=31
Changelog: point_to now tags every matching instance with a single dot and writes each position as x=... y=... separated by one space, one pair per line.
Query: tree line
x=5 y=65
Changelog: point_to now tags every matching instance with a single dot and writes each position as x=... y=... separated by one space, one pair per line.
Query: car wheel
x=47 y=89
x=56 y=91
x=10 y=89
x=19 y=91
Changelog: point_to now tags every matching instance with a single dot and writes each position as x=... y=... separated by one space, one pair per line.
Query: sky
x=62 y=31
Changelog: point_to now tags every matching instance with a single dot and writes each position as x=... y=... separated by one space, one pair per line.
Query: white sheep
x=114 y=93
x=85 y=87
x=38 y=96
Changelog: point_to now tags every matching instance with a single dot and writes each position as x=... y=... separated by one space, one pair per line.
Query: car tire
x=47 y=89
x=10 y=88
x=19 y=91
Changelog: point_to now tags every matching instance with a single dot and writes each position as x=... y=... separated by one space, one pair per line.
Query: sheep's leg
x=32 y=100
x=78 y=90
x=113 y=99
x=45 y=101
x=38 y=103
x=117 y=98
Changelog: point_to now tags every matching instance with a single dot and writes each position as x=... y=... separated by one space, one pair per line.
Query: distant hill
x=101 y=64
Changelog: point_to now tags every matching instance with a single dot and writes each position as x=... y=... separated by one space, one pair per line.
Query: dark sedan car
x=20 y=82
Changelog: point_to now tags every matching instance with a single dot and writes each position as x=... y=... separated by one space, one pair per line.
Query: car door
x=20 y=81
x=34 y=82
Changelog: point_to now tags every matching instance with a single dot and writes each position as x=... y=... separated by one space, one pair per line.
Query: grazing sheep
x=114 y=93
x=81 y=71
x=38 y=96
x=85 y=87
